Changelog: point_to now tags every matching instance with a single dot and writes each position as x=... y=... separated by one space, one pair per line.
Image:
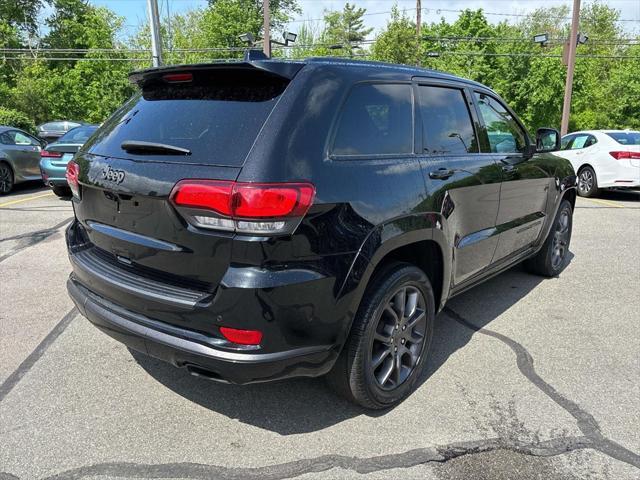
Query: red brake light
x=177 y=77
x=242 y=337
x=263 y=200
x=73 y=174
x=625 y=155
x=48 y=154
x=244 y=207
x=208 y=194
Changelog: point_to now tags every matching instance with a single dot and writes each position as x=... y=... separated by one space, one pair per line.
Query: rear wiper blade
x=137 y=146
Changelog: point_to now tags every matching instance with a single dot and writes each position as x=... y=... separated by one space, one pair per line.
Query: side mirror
x=547 y=140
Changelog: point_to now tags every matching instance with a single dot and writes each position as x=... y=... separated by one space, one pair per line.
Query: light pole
x=568 y=88
x=266 y=46
x=154 y=26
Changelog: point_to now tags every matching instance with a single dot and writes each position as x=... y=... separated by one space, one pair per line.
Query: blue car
x=56 y=155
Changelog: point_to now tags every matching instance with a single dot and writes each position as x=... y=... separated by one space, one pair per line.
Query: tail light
x=625 y=155
x=48 y=154
x=258 y=208
x=242 y=337
x=73 y=175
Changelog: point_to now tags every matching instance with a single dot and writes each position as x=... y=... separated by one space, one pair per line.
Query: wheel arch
x=422 y=244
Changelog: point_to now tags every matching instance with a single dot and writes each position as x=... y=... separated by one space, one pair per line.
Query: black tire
x=587 y=182
x=6 y=178
x=406 y=344
x=553 y=256
x=62 y=192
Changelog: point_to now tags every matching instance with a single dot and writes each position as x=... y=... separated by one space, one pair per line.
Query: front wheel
x=554 y=254
x=389 y=340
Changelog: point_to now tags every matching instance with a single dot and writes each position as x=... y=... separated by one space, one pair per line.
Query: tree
x=346 y=29
x=398 y=42
x=22 y=14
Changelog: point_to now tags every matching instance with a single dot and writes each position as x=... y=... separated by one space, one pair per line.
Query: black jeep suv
x=266 y=219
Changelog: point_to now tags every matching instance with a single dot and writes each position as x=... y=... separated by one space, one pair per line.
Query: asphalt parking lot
x=529 y=378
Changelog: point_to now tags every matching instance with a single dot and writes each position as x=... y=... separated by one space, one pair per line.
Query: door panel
x=468 y=202
x=525 y=181
x=463 y=184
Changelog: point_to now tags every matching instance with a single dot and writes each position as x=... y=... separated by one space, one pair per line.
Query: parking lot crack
x=411 y=458
x=585 y=421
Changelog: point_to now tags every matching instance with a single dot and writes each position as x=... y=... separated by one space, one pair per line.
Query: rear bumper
x=199 y=354
x=53 y=175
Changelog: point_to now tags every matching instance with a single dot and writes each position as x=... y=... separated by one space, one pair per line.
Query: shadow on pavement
x=620 y=195
x=32 y=186
x=306 y=405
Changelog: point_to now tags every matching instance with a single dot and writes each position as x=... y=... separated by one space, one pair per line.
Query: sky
x=134 y=11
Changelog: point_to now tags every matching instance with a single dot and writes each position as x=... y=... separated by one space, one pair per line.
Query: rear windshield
x=78 y=135
x=56 y=126
x=626 y=138
x=217 y=116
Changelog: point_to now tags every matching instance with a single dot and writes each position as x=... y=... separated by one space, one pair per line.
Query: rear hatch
x=196 y=122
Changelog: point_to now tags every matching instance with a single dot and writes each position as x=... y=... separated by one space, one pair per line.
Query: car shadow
x=307 y=404
x=620 y=195
x=32 y=186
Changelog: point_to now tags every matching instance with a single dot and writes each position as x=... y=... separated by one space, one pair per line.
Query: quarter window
x=505 y=135
x=376 y=120
x=447 y=128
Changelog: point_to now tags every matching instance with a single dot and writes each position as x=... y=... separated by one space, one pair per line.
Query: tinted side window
x=375 y=120
x=505 y=135
x=20 y=138
x=6 y=139
x=447 y=128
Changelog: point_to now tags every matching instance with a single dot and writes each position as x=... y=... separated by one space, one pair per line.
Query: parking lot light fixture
x=542 y=39
x=247 y=38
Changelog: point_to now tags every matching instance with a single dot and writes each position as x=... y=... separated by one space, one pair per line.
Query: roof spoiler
x=253 y=59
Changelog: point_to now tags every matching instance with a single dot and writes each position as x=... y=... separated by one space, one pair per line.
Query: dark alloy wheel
x=398 y=338
x=6 y=178
x=553 y=256
x=385 y=353
x=587 y=182
x=561 y=237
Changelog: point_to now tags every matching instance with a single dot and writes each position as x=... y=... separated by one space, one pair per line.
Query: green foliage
x=345 y=29
x=14 y=118
x=530 y=78
x=81 y=89
x=398 y=43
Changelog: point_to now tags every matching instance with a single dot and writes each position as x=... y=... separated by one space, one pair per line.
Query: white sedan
x=603 y=159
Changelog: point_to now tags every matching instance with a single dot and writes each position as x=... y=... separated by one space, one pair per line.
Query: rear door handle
x=441 y=173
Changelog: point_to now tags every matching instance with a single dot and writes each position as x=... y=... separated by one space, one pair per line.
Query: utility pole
x=418 y=17
x=568 y=89
x=266 y=45
x=154 y=25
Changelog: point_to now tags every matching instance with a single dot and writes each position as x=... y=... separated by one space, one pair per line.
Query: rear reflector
x=48 y=154
x=73 y=175
x=242 y=337
x=261 y=208
x=625 y=155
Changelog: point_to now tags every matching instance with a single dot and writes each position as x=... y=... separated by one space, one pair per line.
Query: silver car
x=19 y=158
